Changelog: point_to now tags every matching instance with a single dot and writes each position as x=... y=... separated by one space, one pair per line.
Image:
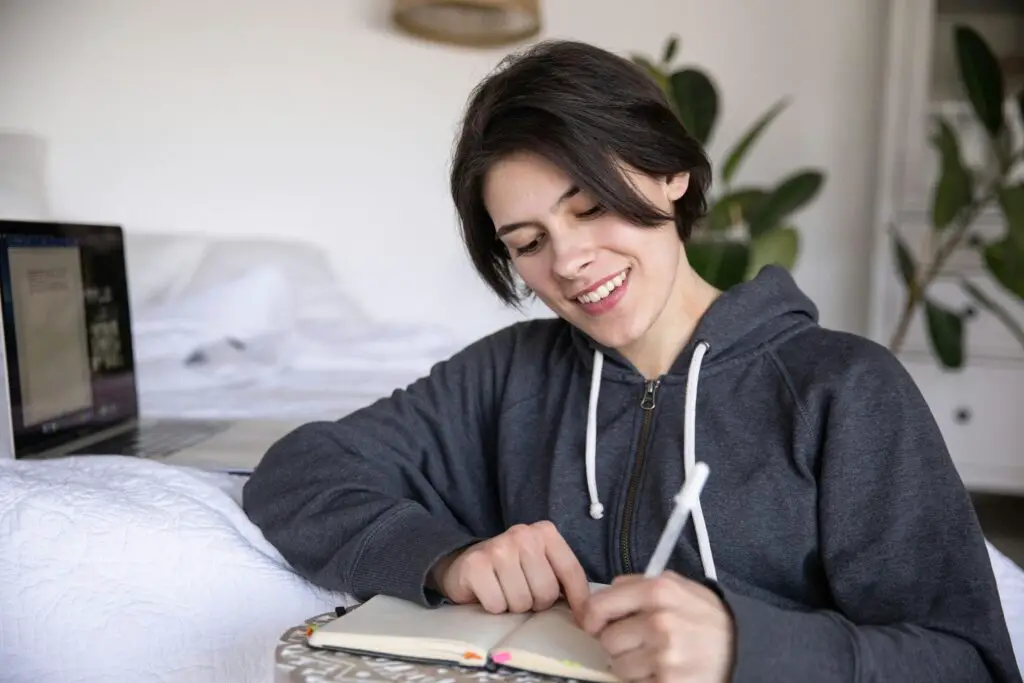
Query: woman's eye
x=597 y=210
x=528 y=248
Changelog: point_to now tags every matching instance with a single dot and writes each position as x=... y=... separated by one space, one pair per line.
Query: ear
x=676 y=186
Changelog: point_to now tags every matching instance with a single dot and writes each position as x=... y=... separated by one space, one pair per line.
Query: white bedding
x=264 y=330
x=117 y=569
x=120 y=569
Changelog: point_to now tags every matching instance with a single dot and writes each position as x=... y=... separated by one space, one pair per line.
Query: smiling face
x=608 y=277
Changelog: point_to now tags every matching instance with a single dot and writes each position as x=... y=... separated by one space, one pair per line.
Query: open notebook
x=547 y=643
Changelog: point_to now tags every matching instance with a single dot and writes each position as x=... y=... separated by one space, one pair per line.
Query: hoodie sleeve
x=903 y=552
x=369 y=503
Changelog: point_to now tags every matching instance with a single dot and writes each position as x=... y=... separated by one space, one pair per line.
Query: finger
x=634 y=665
x=627 y=578
x=543 y=584
x=459 y=592
x=488 y=591
x=509 y=570
x=624 y=635
x=568 y=569
x=629 y=597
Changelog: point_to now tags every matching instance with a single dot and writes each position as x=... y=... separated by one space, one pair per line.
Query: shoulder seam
x=519 y=402
x=509 y=371
x=787 y=380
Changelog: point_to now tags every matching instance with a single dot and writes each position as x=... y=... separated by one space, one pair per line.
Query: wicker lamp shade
x=475 y=23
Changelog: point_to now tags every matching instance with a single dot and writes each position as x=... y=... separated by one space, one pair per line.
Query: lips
x=604 y=289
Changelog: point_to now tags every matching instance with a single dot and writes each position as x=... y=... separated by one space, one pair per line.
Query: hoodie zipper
x=647 y=405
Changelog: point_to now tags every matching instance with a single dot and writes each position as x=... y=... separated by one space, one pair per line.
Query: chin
x=616 y=332
x=616 y=329
x=612 y=338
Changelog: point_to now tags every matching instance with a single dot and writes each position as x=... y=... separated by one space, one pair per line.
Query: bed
x=119 y=569
x=249 y=328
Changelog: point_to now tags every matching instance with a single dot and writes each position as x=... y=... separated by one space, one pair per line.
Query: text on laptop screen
x=67 y=330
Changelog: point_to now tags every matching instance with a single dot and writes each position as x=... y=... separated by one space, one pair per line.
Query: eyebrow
x=511 y=227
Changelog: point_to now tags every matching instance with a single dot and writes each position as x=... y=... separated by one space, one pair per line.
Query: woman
x=834 y=540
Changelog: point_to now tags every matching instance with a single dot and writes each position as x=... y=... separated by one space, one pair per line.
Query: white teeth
x=604 y=290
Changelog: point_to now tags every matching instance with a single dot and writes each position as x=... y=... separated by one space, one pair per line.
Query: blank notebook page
x=389 y=617
x=554 y=634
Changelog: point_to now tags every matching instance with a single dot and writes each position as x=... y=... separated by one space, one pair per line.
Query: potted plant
x=960 y=195
x=748 y=226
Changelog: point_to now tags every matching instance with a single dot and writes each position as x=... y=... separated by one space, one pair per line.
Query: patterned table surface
x=296 y=662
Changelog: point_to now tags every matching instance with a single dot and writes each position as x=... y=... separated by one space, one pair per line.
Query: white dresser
x=980 y=408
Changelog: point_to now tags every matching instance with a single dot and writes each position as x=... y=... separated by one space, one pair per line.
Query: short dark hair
x=588 y=111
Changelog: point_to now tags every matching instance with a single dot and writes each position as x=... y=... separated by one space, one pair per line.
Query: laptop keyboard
x=157 y=440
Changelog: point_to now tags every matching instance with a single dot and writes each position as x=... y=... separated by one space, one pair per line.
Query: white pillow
x=159 y=265
x=315 y=288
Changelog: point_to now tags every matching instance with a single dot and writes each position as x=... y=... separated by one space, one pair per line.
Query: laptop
x=68 y=364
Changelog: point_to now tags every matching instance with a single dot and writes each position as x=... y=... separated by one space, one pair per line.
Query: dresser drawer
x=980 y=411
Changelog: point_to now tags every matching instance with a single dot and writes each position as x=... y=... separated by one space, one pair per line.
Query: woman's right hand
x=525 y=568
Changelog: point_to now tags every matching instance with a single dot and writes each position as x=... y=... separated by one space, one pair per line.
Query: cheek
x=536 y=273
x=662 y=240
x=652 y=247
x=533 y=271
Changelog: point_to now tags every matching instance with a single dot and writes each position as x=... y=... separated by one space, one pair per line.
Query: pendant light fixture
x=473 y=23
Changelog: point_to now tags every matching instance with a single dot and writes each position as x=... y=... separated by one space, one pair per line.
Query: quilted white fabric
x=1010 y=579
x=122 y=569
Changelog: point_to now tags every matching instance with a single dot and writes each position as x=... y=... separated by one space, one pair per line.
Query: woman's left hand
x=666 y=629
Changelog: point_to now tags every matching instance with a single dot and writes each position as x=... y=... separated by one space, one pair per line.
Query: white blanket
x=127 y=570
x=122 y=569
x=239 y=350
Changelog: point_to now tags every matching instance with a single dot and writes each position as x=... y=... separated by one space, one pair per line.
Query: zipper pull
x=647 y=402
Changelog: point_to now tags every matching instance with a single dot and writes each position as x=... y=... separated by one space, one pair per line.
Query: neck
x=655 y=352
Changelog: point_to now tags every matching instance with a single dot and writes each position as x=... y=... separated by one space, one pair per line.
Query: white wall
x=312 y=118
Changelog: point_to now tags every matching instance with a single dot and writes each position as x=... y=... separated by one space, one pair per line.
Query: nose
x=573 y=253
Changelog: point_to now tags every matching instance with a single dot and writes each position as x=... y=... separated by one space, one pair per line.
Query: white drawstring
x=690 y=457
x=596 y=509
x=689 y=449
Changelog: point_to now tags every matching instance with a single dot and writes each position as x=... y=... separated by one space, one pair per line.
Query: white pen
x=686 y=500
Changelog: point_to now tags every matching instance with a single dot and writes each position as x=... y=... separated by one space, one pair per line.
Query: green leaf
x=908 y=269
x=735 y=157
x=954 y=189
x=734 y=207
x=721 y=263
x=790 y=195
x=995 y=309
x=671 y=46
x=981 y=76
x=946 y=333
x=696 y=102
x=1005 y=261
x=780 y=247
x=1011 y=199
x=656 y=74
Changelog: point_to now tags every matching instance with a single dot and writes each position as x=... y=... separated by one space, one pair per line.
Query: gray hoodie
x=833 y=523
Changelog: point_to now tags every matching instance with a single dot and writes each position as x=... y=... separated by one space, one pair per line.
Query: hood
x=742 y=321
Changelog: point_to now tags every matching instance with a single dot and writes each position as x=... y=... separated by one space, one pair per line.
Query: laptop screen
x=67 y=331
